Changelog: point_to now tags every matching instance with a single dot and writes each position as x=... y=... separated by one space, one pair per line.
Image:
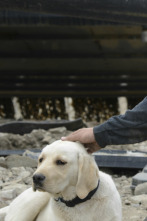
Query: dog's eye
x=41 y=159
x=60 y=162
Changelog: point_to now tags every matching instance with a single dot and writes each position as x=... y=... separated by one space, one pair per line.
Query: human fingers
x=72 y=137
x=84 y=135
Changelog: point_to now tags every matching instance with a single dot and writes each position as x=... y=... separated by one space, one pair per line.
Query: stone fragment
x=141 y=189
x=38 y=134
x=127 y=189
x=135 y=217
x=127 y=202
x=58 y=130
x=17 y=170
x=47 y=139
x=31 y=154
x=20 y=161
x=5 y=143
x=140 y=199
x=24 y=174
x=3 y=162
x=8 y=194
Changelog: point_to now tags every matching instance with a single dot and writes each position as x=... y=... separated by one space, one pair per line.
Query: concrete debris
x=13 y=182
x=20 y=161
x=36 y=139
x=17 y=179
x=141 y=189
x=16 y=172
x=140 y=199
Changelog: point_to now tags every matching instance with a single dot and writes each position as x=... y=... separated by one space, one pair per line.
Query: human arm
x=84 y=136
x=121 y=129
x=124 y=129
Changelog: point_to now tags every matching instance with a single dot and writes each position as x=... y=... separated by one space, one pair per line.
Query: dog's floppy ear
x=87 y=175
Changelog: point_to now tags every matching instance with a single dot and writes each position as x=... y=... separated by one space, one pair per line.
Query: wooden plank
x=46 y=32
x=78 y=78
x=115 y=32
x=104 y=48
x=59 y=85
x=74 y=64
x=72 y=75
x=73 y=93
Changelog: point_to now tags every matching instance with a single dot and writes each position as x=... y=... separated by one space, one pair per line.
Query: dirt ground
x=133 y=209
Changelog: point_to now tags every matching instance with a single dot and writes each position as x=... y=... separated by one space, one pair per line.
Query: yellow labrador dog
x=67 y=187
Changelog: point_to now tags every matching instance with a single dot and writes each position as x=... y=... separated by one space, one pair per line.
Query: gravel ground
x=17 y=179
x=16 y=176
x=134 y=209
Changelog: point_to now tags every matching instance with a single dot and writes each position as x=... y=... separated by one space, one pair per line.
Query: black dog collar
x=77 y=200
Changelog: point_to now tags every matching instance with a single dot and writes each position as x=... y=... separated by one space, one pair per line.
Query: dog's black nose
x=38 y=178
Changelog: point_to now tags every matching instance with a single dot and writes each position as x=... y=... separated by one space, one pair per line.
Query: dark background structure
x=81 y=48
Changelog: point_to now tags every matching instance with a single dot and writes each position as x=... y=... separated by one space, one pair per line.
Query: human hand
x=84 y=136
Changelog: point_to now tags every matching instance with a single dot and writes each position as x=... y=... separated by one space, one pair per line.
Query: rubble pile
x=16 y=172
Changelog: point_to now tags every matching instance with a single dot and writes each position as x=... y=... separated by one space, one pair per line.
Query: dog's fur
x=68 y=171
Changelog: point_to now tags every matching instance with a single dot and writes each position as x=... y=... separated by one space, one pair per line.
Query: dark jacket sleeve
x=124 y=129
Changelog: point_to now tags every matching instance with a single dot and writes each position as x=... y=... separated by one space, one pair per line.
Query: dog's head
x=63 y=164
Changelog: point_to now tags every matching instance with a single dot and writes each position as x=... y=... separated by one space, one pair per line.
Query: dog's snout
x=38 y=178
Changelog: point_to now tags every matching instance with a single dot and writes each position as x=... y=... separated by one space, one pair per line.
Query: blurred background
x=69 y=59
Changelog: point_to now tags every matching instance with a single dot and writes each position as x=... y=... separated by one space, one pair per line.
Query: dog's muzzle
x=38 y=180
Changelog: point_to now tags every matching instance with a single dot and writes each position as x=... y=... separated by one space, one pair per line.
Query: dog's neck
x=76 y=200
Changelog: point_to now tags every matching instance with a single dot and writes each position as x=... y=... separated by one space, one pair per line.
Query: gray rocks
x=141 y=189
x=20 y=161
x=13 y=182
x=140 y=199
x=3 y=162
x=36 y=139
x=16 y=172
x=31 y=154
x=17 y=179
x=8 y=194
x=134 y=207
